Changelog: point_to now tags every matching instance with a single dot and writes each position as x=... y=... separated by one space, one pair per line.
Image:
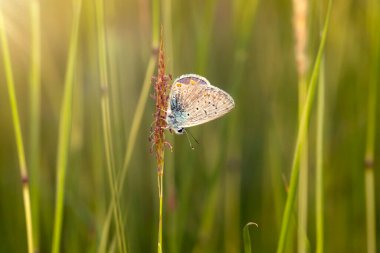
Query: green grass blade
x=106 y=122
x=137 y=117
x=35 y=90
x=369 y=159
x=247 y=238
x=141 y=104
x=65 y=128
x=105 y=230
x=18 y=133
x=300 y=11
x=244 y=18
x=289 y=206
x=319 y=199
x=370 y=209
x=136 y=122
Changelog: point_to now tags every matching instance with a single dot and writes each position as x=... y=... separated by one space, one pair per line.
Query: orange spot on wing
x=179 y=84
x=192 y=82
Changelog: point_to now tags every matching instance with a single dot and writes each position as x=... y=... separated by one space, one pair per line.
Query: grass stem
x=369 y=170
x=65 y=128
x=289 y=206
x=35 y=90
x=369 y=159
x=161 y=105
x=158 y=135
x=247 y=237
x=160 y=178
x=106 y=122
x=300 y=10
x=136 y=121
x=319 y=199
x=303 y=177
x=18 y=134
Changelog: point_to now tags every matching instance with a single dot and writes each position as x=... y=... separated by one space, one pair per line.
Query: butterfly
x=194 y=101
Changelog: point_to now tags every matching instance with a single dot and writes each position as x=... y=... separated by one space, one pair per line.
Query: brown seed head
x=161 y=90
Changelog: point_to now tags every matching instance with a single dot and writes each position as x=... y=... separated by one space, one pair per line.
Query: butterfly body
x=194 y=101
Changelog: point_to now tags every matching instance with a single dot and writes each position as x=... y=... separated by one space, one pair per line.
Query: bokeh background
x=240 y=170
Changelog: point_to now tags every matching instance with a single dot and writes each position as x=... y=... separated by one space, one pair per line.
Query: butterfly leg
x=169 y=145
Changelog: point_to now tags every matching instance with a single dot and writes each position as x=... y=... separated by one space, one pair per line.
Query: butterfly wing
x=192 y=79
x=187 y=80
x=181 y=86
x=202 y=103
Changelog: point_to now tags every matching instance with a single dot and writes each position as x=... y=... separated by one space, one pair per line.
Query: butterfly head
x=172 y=123
x=179 y=130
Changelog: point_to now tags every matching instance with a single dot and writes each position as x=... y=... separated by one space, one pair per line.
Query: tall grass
x=65 y=129
x=247 y=238
x=319 y=198
x=300 y=138
x=136 y=121
x=300 y=11
x=243 y=17
x=106 y=123
x=237 y=173
x=319 y=157
x=369 y=159
x=35 y=97
x=18 y=134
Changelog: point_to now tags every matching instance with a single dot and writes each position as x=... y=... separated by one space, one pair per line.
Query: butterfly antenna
x=187 y=136
x=192 y=136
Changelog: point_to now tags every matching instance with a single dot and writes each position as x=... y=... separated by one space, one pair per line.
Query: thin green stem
x=300 y=11
x=18 y=133
x=319 y=199
x=106 y=122
x=289 y=206
x=137 y=118
x=167 y=24
x=160 y=196
x=136 y=122
x=159 y=133
x=35 y=89
x=369 y=162
x=247 y=237
x=319 y=170
x=141 y=104
x=65 y=128
x=155 y=23
x=132 y=137
x=244 y=15
x=370 y=210
x=303 y=180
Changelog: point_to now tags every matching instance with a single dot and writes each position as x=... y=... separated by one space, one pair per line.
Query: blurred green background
x=240 y=170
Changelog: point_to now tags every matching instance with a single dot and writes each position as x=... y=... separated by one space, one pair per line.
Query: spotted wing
x=186 y=81
x=203 y=103
x=192 y=79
